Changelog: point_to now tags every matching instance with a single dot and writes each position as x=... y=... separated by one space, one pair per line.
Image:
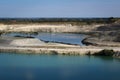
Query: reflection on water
x=56 y=37
x=58 y=67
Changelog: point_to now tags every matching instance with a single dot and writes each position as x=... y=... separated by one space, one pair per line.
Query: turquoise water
x=67 y=38
x=58 y=67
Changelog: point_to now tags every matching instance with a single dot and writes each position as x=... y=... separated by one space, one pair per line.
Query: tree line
x=57 y=20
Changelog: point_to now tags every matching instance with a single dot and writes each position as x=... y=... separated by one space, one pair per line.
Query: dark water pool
x=57 y=67
x=56 y=37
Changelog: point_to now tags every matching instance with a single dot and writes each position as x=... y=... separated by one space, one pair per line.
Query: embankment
x=68 y=28
x=56 y=51
x=33 y=45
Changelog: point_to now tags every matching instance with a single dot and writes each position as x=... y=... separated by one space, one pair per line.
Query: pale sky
x=59 y=8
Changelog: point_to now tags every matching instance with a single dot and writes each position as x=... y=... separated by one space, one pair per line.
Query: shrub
x=53 y=53
x=105 y=52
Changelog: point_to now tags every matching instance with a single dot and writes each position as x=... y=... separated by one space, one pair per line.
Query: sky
x=59 y=8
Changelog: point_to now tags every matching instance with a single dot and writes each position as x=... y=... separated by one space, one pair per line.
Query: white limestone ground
x=47 y=28
x=32 y=45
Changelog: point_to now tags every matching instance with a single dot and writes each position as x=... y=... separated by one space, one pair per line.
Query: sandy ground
x=32 y=45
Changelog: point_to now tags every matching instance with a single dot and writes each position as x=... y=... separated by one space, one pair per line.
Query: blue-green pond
x=58 y=67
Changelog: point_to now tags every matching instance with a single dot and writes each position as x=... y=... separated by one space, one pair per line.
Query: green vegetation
x=105 y=52
x=72 y=21
x=53 y=53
